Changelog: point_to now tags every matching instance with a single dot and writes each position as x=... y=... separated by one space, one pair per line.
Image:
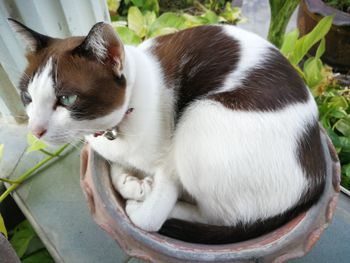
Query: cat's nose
x=39 y=132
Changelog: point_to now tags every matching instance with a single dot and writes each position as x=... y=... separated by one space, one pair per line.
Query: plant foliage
x=333 y=100
x=281 y=11
x=143 y=20
x=34 y=143
x=27 y=244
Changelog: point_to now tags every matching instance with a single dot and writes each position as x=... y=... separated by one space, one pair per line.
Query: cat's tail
x=210 y=234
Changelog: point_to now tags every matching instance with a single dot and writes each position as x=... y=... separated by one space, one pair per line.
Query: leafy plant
x=215 y=5
x=332 y=99
x=295 y=49
x=3 y=229
x=334 y=108
x=23 y=235
x=142 y=21
x=34 y=145
x=27 y=244
x=281 y=11
x=123 y=6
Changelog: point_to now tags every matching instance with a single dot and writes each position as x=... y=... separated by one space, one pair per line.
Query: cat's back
x=225 y=63
x=249 y=119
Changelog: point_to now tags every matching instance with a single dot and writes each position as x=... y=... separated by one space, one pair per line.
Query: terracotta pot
x=338 y=39
x=292 y=240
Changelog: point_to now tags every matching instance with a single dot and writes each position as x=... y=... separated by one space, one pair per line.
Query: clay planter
x=292 y=240
x=337 y=40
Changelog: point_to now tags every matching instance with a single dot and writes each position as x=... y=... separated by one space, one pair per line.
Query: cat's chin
x=57 y=142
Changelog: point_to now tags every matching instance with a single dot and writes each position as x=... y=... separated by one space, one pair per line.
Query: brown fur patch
x=196 y=61
x=99 y=90
x=271 y=86
x=312 y=160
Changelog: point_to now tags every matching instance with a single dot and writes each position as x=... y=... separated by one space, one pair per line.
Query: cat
x=212 y=111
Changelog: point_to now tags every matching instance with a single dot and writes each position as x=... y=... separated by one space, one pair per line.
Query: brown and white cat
x=214 y=111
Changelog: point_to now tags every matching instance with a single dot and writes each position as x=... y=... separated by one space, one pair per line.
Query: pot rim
x=292 y=240
x=340 y=18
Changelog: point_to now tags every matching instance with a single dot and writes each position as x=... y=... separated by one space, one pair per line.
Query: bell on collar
x=111 y=134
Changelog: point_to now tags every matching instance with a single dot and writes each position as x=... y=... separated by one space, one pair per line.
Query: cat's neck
x=143 y=91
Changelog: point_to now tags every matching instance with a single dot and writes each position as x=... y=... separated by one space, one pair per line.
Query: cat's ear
x=34 y=40
x=103 y=44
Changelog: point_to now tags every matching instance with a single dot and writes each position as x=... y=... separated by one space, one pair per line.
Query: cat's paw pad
x=130 y=187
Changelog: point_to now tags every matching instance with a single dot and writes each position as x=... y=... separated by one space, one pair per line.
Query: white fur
x=43 y=95
x=237 y=165
x=236 y=156
x=253 y=50
x=98 y=45
x=223 y=158
x=58 y=123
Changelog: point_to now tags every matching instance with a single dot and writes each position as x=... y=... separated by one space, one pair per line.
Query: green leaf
x=147 y=5
x=128 y=36
x=163 y=31
x=34 y=143
x=150 y=18
x=304 y=44
x=344 y=143
x=136 y=21
x=343 y=126
x=41 y=256
x=289 y=41
x=113 y=4
x=346 y=170
x=338 y=113
x=170 y=20
x=3 y=227
x=138 y=3
x=1 y=151
x=230 y=14
x=338 y=102
x=191 y=21
x=211 y=17
x=21 y=238
x=321 y=48
x=313 y=71
x=334 y=137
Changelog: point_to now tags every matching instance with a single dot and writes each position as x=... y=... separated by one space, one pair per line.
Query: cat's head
x=74 y=86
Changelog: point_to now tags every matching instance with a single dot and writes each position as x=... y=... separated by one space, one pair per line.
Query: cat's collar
x=112 y=133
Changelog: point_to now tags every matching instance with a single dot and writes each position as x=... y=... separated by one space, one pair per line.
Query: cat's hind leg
x=129 y=186
x=187 y=212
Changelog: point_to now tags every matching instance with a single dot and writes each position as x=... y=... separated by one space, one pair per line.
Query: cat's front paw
x=142 y=217
x=132 y=188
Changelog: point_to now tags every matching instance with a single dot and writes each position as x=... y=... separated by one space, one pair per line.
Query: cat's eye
x=67 y=100
x=26 y=98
